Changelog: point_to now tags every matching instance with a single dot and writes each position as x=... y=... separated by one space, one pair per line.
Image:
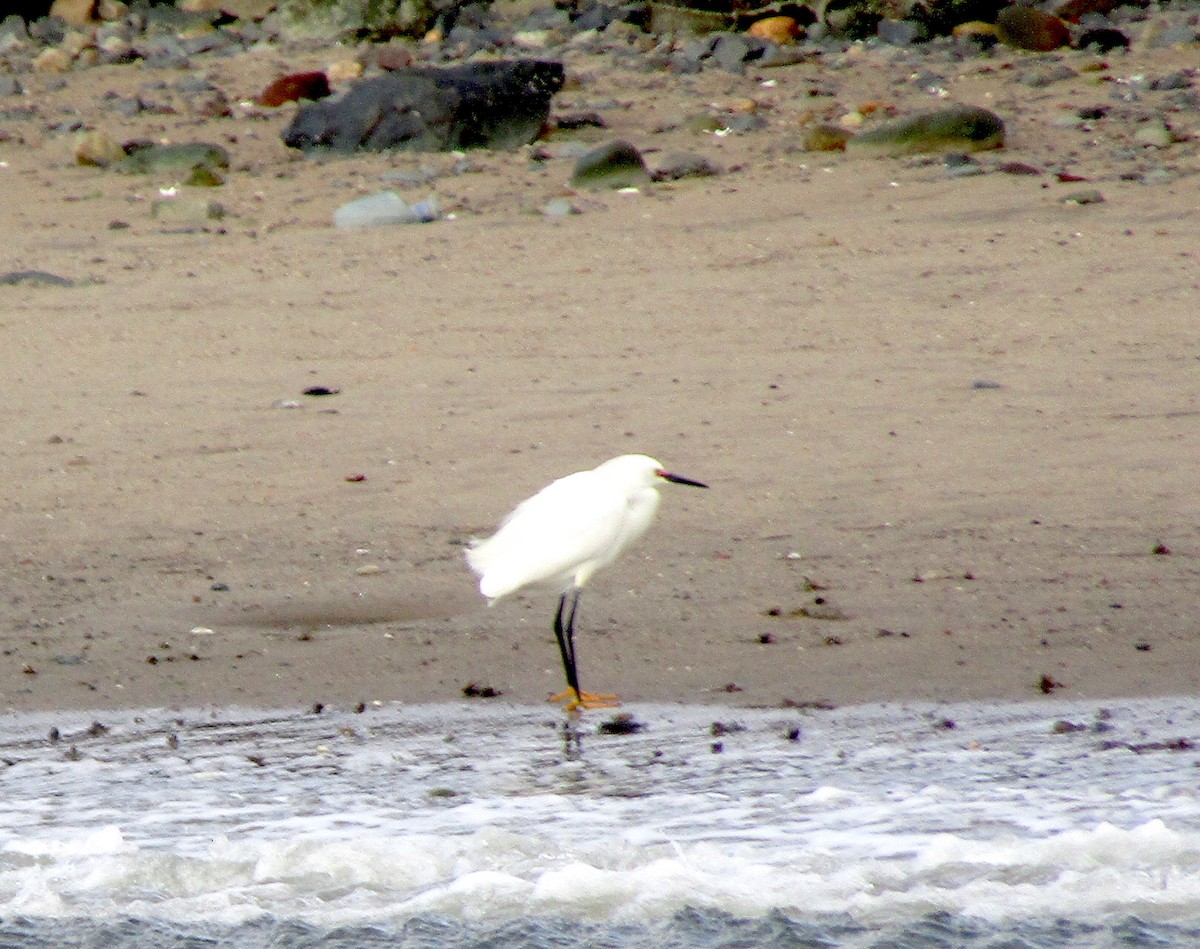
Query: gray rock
x=37 y=278
x=384 y=208
x=733 y=50
x=900 y=32
x=678 y=165
x=487 y=104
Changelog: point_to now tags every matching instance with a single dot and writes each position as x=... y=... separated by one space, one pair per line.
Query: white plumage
x=566 y=532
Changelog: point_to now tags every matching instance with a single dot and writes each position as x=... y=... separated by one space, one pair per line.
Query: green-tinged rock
x=1088 y=196
x=183 y=159
x=825 y=137
x=204 y=176
x=615 y=165
x=186 y=211
x=961 y=128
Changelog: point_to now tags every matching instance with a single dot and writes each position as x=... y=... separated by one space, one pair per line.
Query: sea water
x=485 y=824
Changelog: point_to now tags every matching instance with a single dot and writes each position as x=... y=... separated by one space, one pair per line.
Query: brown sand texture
x=950 y=424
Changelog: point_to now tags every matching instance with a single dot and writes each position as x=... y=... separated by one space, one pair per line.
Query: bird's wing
x=546 y=538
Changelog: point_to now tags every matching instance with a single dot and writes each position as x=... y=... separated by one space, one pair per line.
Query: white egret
x=562 y=535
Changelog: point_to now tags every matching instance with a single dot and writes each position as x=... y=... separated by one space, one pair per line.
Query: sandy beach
x=949 y=422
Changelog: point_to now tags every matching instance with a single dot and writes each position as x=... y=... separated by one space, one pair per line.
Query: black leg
x=565 y=634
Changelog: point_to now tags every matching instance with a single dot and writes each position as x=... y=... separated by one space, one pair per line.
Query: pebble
x=825 y=137
x=1155 y=134
x=1030 y=28
x=780 y=30
x=613 y=165
x=179 y=158
x=186 y=211
x=676 y=165
x=52 y=60
x=384 y=208
x=39 y=278
x=958 y=128
x=1089 y=196
x=342 y=70
x=73 y=12
x=559 y=207
x=98 y=149
x=293 y=87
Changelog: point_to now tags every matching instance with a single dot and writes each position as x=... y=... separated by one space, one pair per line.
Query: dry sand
x=805 y=332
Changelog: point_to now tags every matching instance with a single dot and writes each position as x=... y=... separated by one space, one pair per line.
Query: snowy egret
x=562 y=535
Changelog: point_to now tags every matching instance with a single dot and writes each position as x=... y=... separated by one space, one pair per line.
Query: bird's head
x=644 y=470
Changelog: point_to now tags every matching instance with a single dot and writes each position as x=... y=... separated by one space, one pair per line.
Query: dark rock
x=733 y=50
x=498 y=104
x=1103 y=39
x=39 y=278
x=615 y=165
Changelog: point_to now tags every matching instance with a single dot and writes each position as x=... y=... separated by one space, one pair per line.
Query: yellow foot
x=574 y=701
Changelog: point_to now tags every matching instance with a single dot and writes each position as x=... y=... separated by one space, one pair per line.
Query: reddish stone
x=299 y=85
x=1032 y=29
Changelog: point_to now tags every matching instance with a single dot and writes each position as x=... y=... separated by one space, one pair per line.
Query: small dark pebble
x=1063 y=727
x=579 y=120
x=219 y=587
x=1162 y=550
x=97 y=729
x=473 y=690
x=1103 y=39
x=766 y=639
x=1171 y=744
x=172 y=741
x=55 y=735
x=257 y=759
x=794 y=734
x=1048 y=684
x=1143 y=647
x=717 y=747
x=1018 y=168
x=623 y=724
x=819 y=705
x=725 y=728
x=986 y=384
x=318 y=708
x=320 y=390
x=731 y=687
x=360 y=708
x=948 y=724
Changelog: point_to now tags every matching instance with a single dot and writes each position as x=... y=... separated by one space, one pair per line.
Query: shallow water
x=484 y=824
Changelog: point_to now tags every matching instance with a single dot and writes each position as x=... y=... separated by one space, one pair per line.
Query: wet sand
x=949 y=423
